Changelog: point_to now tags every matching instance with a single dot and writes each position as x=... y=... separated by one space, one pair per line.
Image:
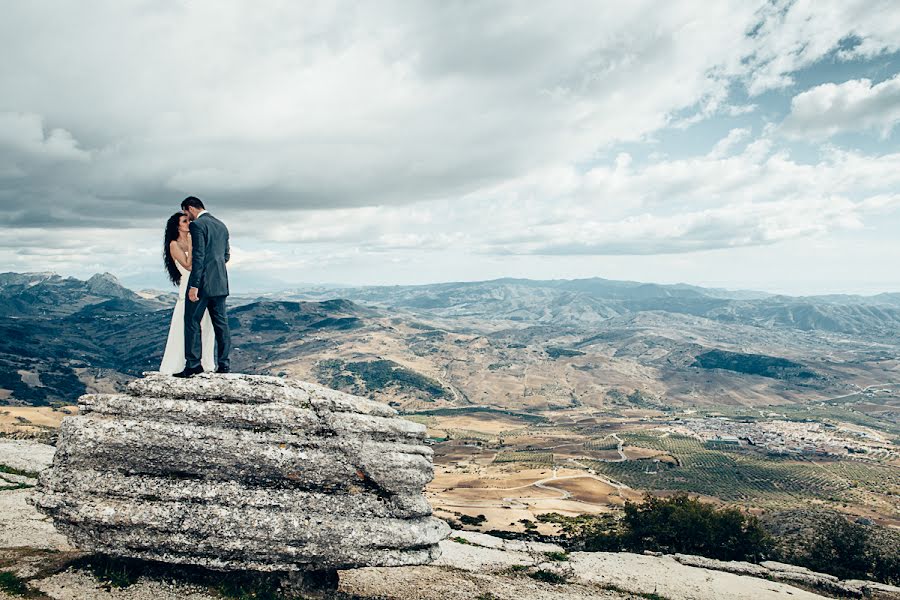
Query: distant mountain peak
x=106 y=284
x=104 y=277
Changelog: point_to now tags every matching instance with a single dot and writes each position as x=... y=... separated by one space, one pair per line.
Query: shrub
x=825 y=541
x=547 y=576
x=12 y=585
x=687 y=525
x=470 y=520
x=676 y=524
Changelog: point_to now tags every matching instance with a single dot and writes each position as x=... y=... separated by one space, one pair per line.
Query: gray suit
x=209 y=238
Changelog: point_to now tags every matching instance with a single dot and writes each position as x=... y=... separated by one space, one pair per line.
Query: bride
x=177 y=258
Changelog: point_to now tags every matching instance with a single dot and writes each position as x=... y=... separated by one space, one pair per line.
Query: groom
x=207 y=287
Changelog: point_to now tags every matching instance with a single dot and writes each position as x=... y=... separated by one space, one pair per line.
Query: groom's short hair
x=192 y=201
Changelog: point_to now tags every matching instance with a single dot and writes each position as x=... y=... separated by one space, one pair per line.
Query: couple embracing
x=195 y=252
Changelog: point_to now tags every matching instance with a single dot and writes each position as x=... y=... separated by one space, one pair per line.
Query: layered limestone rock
x=242 y=472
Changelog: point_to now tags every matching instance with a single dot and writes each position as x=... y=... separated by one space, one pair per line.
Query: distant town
x=787 y=437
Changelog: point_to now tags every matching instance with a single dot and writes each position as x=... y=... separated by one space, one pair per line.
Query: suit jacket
x=209 y=238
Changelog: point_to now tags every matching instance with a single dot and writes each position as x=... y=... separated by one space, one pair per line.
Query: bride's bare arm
x=178 y=256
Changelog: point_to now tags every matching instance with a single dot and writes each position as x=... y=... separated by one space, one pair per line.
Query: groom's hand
x=193 y=295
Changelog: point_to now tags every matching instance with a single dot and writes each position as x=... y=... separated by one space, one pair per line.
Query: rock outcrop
x=242 y=472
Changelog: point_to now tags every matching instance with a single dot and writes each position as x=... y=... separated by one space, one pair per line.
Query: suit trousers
x=193 y=315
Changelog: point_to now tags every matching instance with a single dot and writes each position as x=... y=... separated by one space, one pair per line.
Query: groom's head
x=192 y=206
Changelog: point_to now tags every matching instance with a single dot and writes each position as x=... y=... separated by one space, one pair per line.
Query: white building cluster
x=787 y=437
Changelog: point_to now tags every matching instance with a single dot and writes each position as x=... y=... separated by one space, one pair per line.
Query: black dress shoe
x=223 y=369
x=189 y=372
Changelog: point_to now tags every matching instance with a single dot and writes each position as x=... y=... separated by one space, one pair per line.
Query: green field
x=525 y=456
x=607 y=443
x=735 y=475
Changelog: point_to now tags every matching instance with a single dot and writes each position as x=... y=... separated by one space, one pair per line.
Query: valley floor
x=473 y=565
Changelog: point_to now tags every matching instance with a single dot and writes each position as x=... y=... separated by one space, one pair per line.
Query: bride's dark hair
x=171 y=234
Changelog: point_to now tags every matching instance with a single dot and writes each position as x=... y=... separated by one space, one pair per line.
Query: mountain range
x=512 y=343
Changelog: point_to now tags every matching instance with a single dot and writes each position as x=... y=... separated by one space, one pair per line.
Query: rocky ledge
x=242 y=472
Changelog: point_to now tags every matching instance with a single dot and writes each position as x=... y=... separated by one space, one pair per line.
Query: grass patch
x=548 y=577
x=114 y=572
x=461 y=540
x=121 y=573
x=21 y=472
x=13 y=585
x=557 y=556
x=649 y=596
x=525 y=456
x=250 y=587
x=15 y=486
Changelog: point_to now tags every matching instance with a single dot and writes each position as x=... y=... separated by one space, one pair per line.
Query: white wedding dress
x=173 y=358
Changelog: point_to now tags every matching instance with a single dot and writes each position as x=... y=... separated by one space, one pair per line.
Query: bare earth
x=472 y=564
x=28 y=420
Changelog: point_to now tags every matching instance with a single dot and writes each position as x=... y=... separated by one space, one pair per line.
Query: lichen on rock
x=242 y=472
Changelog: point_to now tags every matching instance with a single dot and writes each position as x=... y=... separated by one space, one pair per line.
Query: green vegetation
x=557 y=556
x=753 y=364
x=647 y=595
x=821 y=540
x=13 y=585
x=15 y=471
x=341 y=323
x=113 y=571
x=676 y=524
x=378 y=376
x=528 y=524
x=116 y=572
x=15 y=486
x=548 y=577
x=256 y=586
x=554 y=352
x=525 y=456
x=269 y=323
x=473 y=521
x=607 y=443
x=827 y=542
x=731 y=474
x=485 y=410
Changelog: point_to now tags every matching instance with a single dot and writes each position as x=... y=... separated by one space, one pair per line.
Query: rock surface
x=242 y=472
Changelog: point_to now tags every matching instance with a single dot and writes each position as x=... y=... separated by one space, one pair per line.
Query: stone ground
x=473 y=566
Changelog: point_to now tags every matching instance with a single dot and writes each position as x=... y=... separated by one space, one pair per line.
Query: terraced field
x=525 y=456
x=742 y=476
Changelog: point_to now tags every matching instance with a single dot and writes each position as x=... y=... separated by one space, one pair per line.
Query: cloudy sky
x=732 y=144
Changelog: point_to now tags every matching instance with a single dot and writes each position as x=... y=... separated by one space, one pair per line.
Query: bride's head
x=176 y=224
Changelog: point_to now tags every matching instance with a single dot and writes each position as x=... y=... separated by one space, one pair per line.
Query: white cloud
x=793 y=35
x=395 y=129
x=350 y=105
x=24 y=134
x=753 y=198
x=726 y=144
x=854 y=105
